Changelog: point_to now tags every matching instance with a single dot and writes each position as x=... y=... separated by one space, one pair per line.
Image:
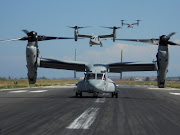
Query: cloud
x=113 y=54
x=177 y=41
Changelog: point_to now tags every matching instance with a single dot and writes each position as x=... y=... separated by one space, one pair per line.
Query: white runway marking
x=37 y=91
x=65 y=86
x=85 y=120
x=12 y=89
x=100 y=100
x=174 y=93
x=23 y=91
x=18 y=91
x=163 y=89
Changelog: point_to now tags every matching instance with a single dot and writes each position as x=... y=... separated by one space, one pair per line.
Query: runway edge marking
x=174 y=93
x=85 y=120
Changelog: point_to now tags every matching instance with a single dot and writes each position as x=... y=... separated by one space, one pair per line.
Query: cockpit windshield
x=99 y=76
x=90 y=76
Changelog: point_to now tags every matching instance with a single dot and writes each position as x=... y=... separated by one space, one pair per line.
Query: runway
x=56 y=111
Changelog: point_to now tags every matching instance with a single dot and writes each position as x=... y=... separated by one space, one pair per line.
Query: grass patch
x=22 y=83
x=171 y=84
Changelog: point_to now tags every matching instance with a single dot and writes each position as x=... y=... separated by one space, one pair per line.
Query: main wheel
x=80 y=94
x=77 y=94
x=95 y=95
x=112 y=95
x=116 y=94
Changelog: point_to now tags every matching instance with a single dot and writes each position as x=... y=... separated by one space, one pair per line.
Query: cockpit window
x=99 y=76
x=90 y=76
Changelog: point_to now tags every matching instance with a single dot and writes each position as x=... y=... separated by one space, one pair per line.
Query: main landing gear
x=114 y=94
x=78 y=94
x=95 y=95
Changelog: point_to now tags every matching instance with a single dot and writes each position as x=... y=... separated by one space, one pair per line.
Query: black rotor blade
x=151 y=41
x=172 y=43
x=171 y=34
x=111 y=27
x=26 y=31
x=77 y=27
x=42 y=38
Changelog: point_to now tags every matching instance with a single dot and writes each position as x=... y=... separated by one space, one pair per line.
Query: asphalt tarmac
x=56 y=111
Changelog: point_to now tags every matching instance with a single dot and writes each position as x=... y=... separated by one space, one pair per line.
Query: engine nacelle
x=31 y=58
x=162 y=62
x=76 y=34
x=114 y=35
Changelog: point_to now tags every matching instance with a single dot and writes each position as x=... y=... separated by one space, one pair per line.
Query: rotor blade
x=42 y=38
x=172 y=43
x=171 y=34
x=151 y=41
x=111 y=27
x=11 y=39
x=77 y=27
x=25 y=31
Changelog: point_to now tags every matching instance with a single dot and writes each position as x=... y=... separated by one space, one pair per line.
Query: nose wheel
x=114 y=94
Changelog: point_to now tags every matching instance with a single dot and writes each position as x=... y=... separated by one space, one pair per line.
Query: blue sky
x=50 y=17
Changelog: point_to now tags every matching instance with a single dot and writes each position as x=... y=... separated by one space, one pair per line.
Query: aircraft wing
x=105 y=36
x=61 y=64
x=86 y=36
x=126 y=24
x=131 y=66
x=134 y=23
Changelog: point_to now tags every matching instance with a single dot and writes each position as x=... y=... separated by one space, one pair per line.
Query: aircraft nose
x=96 y=85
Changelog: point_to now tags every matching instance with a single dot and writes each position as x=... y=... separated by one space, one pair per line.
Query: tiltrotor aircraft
x=130 y=25
x=96 y=75
x=95 y=40
x=162 y=55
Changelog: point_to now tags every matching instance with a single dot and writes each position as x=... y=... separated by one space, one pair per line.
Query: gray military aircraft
x=95 y=40
x=162 y=55
x=130 y=25
x=96 y=75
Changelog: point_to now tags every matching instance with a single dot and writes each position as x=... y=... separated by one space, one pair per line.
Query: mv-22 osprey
x=130 y=25
x=96 y=75
x=95 y=39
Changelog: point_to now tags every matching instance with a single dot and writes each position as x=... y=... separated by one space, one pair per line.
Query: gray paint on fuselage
x=96 y=85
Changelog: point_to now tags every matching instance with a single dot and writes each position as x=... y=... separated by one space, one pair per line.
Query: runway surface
x=56 y=111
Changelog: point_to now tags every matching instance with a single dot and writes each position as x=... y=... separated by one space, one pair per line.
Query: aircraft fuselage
x=96 y=81
x=95 y=41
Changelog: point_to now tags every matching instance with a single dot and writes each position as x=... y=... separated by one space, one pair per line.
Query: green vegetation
x=171 y=84
x=22 y=83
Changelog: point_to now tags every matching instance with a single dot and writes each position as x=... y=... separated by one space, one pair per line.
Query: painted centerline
x=85 y=120
x=100 y=100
